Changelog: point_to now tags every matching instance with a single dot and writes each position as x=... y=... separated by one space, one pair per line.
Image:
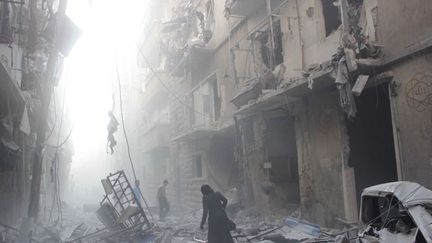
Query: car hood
x=408 y=193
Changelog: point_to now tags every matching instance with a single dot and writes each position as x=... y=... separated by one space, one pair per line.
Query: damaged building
x=341 y=107
x=189 y=81
x=27 y=39
x=309 y=115
x=294 y=103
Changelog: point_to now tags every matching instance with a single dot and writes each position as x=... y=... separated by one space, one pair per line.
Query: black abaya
x=214 y=206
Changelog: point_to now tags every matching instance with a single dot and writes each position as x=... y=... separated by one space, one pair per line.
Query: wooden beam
x=360 y=84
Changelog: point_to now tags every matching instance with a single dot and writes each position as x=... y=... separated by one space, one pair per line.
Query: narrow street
x=215 y=121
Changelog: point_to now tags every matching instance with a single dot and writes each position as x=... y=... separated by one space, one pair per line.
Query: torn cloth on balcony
x=347 y=101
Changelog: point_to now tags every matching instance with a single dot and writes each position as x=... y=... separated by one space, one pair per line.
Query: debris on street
x=215 y=121
x=396 y=212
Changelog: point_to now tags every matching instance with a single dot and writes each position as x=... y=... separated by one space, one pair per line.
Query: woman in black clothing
x=214 y=204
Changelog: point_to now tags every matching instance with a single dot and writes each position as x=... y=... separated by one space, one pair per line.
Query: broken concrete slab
x=251 y=91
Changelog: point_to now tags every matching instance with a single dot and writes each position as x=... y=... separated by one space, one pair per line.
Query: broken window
x=272 y=56
x=198 y=166
x=281 y=153
x=206 y=103
x=332 y=17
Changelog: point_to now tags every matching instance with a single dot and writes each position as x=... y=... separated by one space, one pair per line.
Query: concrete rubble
x=138 y=225
x=392 y=212
x=296 y=111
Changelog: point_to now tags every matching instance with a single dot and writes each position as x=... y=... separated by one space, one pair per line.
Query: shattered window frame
x=202 y=174
x=208 y=110
x=329 y=10
x=272 y=58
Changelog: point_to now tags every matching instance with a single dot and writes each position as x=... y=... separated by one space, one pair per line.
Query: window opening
x=198 y=166
x=332 y=18
x=272 y=57
x=206 y=101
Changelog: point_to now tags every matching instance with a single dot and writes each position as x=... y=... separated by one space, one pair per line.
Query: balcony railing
x=243 y=7
x=155 y=94
x=155 y=138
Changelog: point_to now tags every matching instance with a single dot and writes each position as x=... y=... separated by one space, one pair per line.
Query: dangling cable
x=127 y=142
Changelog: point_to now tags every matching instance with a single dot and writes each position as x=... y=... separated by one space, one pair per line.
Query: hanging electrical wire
x=127 y=141
x=64 y=141
x=56 y=164
x=175 y=96
x=50 y=133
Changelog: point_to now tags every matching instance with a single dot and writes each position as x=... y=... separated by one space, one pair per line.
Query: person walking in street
x=164 y=206
x=219 y=225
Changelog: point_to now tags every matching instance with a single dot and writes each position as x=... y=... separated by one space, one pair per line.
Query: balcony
x=192 y=60
x=287 y=94
x=155 y=94
x=244 y=7
x=155 y=139
x=251 y=91
x=197 y=131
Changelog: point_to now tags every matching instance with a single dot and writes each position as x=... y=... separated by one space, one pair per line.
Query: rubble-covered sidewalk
x=124 y=216
x=391 y=212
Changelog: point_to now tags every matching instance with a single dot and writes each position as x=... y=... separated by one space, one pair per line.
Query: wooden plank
x=360 y=84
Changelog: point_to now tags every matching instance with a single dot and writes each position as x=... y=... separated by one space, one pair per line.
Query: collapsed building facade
x=291 y=102
x=186 y=84
x=27 y=35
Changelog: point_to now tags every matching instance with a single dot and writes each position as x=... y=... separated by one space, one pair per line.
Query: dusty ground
x=76 y=222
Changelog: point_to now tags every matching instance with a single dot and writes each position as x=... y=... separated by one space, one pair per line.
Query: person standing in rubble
x=164 y=206
x=214 y=204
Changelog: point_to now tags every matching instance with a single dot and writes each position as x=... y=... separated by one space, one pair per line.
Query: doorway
x=372 y=152
x=281 y=151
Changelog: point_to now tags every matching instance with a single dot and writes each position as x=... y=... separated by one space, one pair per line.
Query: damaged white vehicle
x=396 y=212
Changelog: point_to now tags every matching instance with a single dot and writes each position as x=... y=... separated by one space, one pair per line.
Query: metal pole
x=271 y=37
x=47 y=89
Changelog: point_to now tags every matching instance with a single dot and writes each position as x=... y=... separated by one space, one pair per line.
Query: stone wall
x=187 y=192
x=412 y=89
x=252 y=158
x=412 y=117
x=321 y=142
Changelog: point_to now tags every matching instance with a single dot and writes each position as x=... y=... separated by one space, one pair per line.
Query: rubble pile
x=392 y=212
x=122 y=217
